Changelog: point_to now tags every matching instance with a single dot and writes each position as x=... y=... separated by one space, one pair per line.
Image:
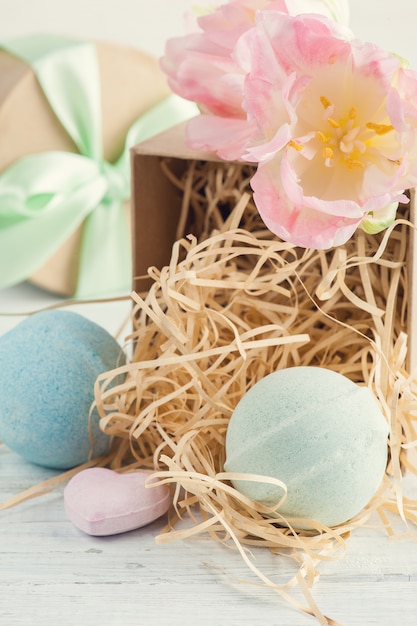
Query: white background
x=147 y=23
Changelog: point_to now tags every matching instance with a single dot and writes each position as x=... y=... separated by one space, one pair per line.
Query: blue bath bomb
x=319 y=433
x=48 y=366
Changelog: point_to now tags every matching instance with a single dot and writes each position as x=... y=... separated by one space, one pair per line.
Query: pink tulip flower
x=202 y=67
x=337 y=120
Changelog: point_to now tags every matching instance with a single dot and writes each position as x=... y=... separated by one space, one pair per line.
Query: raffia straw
x=233 y=305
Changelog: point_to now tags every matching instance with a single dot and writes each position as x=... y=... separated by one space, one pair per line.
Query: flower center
x=345 y=139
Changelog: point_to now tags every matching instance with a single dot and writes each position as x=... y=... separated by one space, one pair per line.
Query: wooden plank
x=50 y=572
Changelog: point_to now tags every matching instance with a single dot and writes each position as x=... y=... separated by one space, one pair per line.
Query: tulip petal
x=223 y=136
x=297 y=223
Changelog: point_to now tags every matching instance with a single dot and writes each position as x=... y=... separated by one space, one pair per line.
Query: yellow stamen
x=380 y=129
x=323 y=138
x=328 y=153
x=354 y=164
x=396 y=161
x=296 y=146
x=352 y=113
x=333 y=122
x=325 y=102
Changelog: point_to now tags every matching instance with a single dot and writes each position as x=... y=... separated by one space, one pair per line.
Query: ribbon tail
x=105 y=265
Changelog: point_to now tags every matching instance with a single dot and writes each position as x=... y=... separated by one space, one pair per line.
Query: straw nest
x=234 y=304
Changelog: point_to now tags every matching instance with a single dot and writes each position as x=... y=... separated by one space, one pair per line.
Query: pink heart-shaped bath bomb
x=100 y=501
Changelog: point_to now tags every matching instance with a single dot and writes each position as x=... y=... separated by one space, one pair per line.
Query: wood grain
x=51 y=573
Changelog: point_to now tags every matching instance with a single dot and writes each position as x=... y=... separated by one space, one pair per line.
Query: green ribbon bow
x=45 y=197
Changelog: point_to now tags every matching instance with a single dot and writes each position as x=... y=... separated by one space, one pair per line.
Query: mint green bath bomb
x=49 y=364
x=318 y=432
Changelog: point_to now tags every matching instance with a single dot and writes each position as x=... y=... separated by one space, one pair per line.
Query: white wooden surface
x=52 y=574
